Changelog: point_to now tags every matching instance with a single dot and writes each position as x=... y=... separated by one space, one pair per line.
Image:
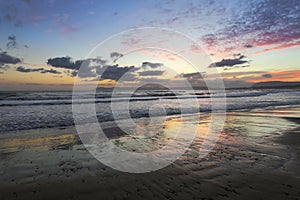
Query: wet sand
x=256 y=157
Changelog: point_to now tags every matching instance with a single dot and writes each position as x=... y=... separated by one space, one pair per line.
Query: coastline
x=255 y=157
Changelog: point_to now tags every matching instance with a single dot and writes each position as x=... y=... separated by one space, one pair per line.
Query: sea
x=21 y=110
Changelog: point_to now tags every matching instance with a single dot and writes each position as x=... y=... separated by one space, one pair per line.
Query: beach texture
x=256 y=157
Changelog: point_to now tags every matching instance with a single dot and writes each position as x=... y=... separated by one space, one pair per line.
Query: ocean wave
x=45 y=114
x=60 y=121
x=101 y=98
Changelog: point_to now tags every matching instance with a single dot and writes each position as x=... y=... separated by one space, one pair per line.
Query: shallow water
x=29 y=110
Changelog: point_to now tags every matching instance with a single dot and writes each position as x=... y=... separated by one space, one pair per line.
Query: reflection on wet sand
x=13 y=145
x=255 y=151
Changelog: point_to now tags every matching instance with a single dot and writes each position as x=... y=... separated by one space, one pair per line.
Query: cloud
x=63 y=62
x=67 y=62
x=283 y=46
x=8 y=59
x=97 y=68
x=248 y=45
x=115 y=72
x=73 y=73
x=93 y=68
x=151 y=65
x=69 y=29
x=12 y=42
x=288 y=75
x=152 y=73
x=267 y=76
x=41 y=70
x=52 y=71
x=88 y=67
x=26 y=70
x=194 y=75
x=115 y=56
x=239 y=55
x=85 y=72
x=229 y=62
x=259 y=23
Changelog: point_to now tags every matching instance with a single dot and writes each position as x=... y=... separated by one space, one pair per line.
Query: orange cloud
x=106 y=82
x=290 y=75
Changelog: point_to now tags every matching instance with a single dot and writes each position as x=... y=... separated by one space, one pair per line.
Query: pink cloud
x=69 y=29
x=283 y=46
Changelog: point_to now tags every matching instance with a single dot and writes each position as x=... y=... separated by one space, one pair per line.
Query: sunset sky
x=43 y=43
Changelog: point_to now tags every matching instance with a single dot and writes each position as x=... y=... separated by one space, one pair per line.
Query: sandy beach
x=150 y=100
x=256 y=157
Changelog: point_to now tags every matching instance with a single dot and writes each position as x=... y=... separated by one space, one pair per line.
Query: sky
x=47 y=44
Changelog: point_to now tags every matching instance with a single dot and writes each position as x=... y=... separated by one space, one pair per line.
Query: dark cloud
x=248 y=45
x=12 y=42
x=152 y=73
x=67 y=62
x=26 y=70
x=8 y=59
x=237 y=55
x=151 y=65
x=41 y=70
x=51 y=71
x=96 y=61
x=230 y=62
x=97 y=68
x=63 y=62
x=115 y=72
x=90 y=66
x=115 y=56
x=267 y=76
x=73 y=73
x=85 y=72
x=195 y=75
